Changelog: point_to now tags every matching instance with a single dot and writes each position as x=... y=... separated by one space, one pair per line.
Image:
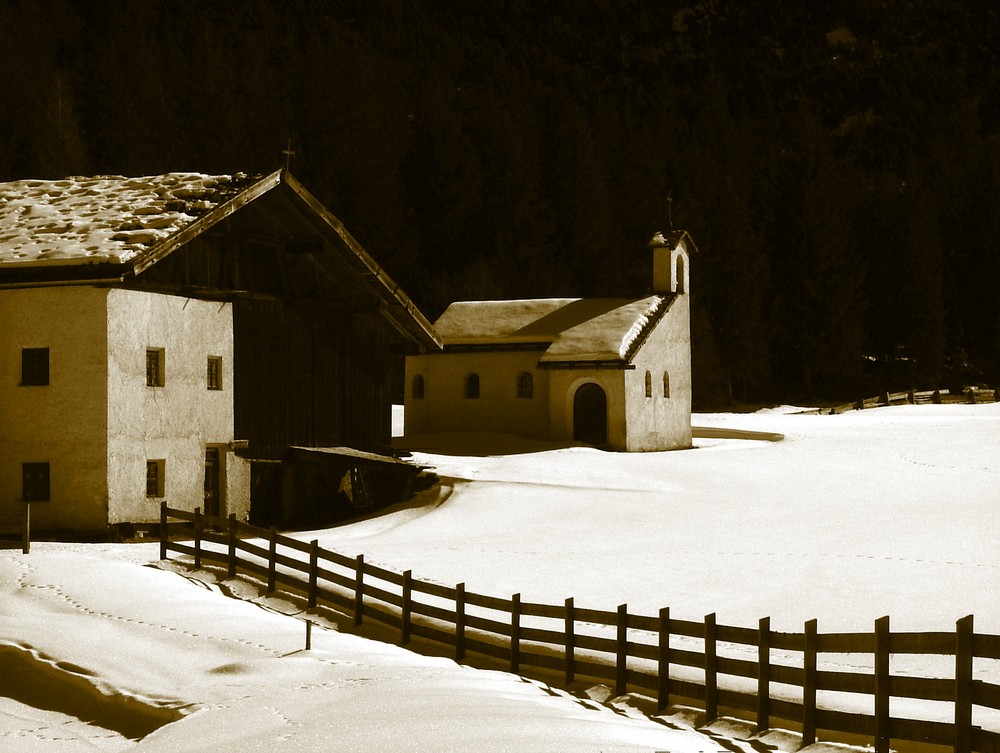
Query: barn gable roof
x=108 y=229
x=567 y=330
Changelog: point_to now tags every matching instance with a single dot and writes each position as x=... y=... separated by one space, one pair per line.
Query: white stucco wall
x=498 y=408
x=658 y=423
x=64 y=423
x=175 y=422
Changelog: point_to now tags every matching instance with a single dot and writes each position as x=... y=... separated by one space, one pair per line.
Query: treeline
x=838 y=164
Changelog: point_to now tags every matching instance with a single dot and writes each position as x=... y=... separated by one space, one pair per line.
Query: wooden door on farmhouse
x=213 y=482
x=590 y=414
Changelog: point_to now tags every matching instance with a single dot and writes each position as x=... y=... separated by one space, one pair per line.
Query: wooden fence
x=971 y=395
x=672 y=660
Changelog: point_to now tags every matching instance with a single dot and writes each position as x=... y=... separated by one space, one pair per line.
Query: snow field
x=886 y=511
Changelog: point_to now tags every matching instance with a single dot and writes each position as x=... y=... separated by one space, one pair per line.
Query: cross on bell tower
x=289 y=153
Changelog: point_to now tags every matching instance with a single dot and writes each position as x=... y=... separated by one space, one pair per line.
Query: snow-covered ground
x=889 y=511
x=147 y=642
x=886 y=511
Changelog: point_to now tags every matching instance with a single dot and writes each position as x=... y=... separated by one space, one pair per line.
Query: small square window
x=154 y=367
x=34 y=367
x=215 y=372
x=35 y=482
x=154 y=478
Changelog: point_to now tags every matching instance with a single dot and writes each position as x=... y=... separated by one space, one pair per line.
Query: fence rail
x=972 y=395
x=717 y=666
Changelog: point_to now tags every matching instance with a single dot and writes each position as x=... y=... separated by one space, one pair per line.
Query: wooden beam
x=210 y=219
x=208 y=293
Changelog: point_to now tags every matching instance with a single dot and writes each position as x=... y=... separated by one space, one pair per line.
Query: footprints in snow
x=22 y=582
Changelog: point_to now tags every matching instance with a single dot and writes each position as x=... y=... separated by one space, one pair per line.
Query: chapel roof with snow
x=567 y=330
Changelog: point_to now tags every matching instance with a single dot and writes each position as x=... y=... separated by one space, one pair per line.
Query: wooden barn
x=201 y=326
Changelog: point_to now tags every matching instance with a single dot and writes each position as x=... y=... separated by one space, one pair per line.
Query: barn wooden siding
x=307 y=379
x=312 y=355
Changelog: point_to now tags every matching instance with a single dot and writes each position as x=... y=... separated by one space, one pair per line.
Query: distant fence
x=971 y=395
x=659 y=656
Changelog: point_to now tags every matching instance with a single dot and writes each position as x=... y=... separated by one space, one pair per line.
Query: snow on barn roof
x=574 y=329
x=104 y=219
x=112 y=228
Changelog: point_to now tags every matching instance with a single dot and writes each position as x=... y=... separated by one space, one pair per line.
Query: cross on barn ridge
x=289 y=153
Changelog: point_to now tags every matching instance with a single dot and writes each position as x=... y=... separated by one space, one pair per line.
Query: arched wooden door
x=590 y=414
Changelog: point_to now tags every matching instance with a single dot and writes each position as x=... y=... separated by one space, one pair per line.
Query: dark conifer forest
x=837 y=163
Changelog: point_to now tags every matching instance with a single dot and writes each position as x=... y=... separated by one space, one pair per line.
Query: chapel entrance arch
x=590 y=414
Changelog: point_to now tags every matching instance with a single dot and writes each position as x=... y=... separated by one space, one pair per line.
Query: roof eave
x=105 y=273
x=665 y=302
x=208 y=220
x=616 y=363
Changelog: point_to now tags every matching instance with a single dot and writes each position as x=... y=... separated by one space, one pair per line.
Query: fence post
x=313 y=571
x=809 y=684
x=231 y=571
x=407 y=607
x=764 y=674
x=26 y=529
x=460 y=622
x=272 y=561
x=197 y=538
x=711 y=670
x=882 y=694
x=515 y=633
x=359 y=589
x=964 y=640
x=621 y=664
x=663 y=662
x=309 y=634
x=163 y=530
x=570 y=650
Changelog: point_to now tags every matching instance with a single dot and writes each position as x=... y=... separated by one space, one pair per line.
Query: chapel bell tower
x=671 y=263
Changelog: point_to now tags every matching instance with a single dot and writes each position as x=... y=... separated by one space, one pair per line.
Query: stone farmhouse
x=210 y=341
x=615 y=373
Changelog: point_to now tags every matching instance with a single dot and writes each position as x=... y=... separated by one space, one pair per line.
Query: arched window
x=649 y=384
x=666 y=384
x=525 y=385
x=472 y=387
x=681 y=287
x=417 y=388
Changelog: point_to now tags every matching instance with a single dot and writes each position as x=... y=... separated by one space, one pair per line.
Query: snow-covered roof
x=567 y=329
x=110 y=219
x=111 y=228
x=672 y=239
